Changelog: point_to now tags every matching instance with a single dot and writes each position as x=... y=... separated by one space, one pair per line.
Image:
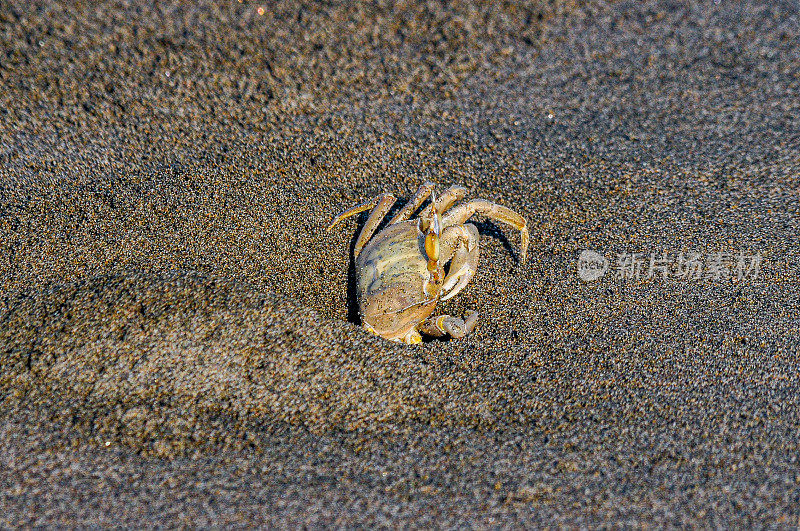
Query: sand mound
x=174 y=362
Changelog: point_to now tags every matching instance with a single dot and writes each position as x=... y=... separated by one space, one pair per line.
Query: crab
x=400 y=271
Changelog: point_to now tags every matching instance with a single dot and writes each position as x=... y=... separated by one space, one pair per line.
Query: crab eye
x=432 y=246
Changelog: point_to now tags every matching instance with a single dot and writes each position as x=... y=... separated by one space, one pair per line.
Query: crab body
x=395 y=288
x=404 y=270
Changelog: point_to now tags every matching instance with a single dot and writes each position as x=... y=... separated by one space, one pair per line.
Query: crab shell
x=396 y=291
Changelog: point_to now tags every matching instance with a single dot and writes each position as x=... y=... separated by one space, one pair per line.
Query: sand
x=178 y=339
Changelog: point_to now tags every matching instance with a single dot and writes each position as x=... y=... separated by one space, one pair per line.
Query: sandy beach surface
x=179 y=344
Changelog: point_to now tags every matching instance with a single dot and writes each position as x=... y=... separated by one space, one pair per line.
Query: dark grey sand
x=177 y=343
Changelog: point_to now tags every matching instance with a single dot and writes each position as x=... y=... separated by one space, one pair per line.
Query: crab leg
x=450 y=196
x=366 y=205
x=447 y=324
x=464 y=211
x=380 y=206
x=422 y=194
x=374 y=219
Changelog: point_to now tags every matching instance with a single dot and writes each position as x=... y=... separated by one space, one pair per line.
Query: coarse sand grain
x=179 y=344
